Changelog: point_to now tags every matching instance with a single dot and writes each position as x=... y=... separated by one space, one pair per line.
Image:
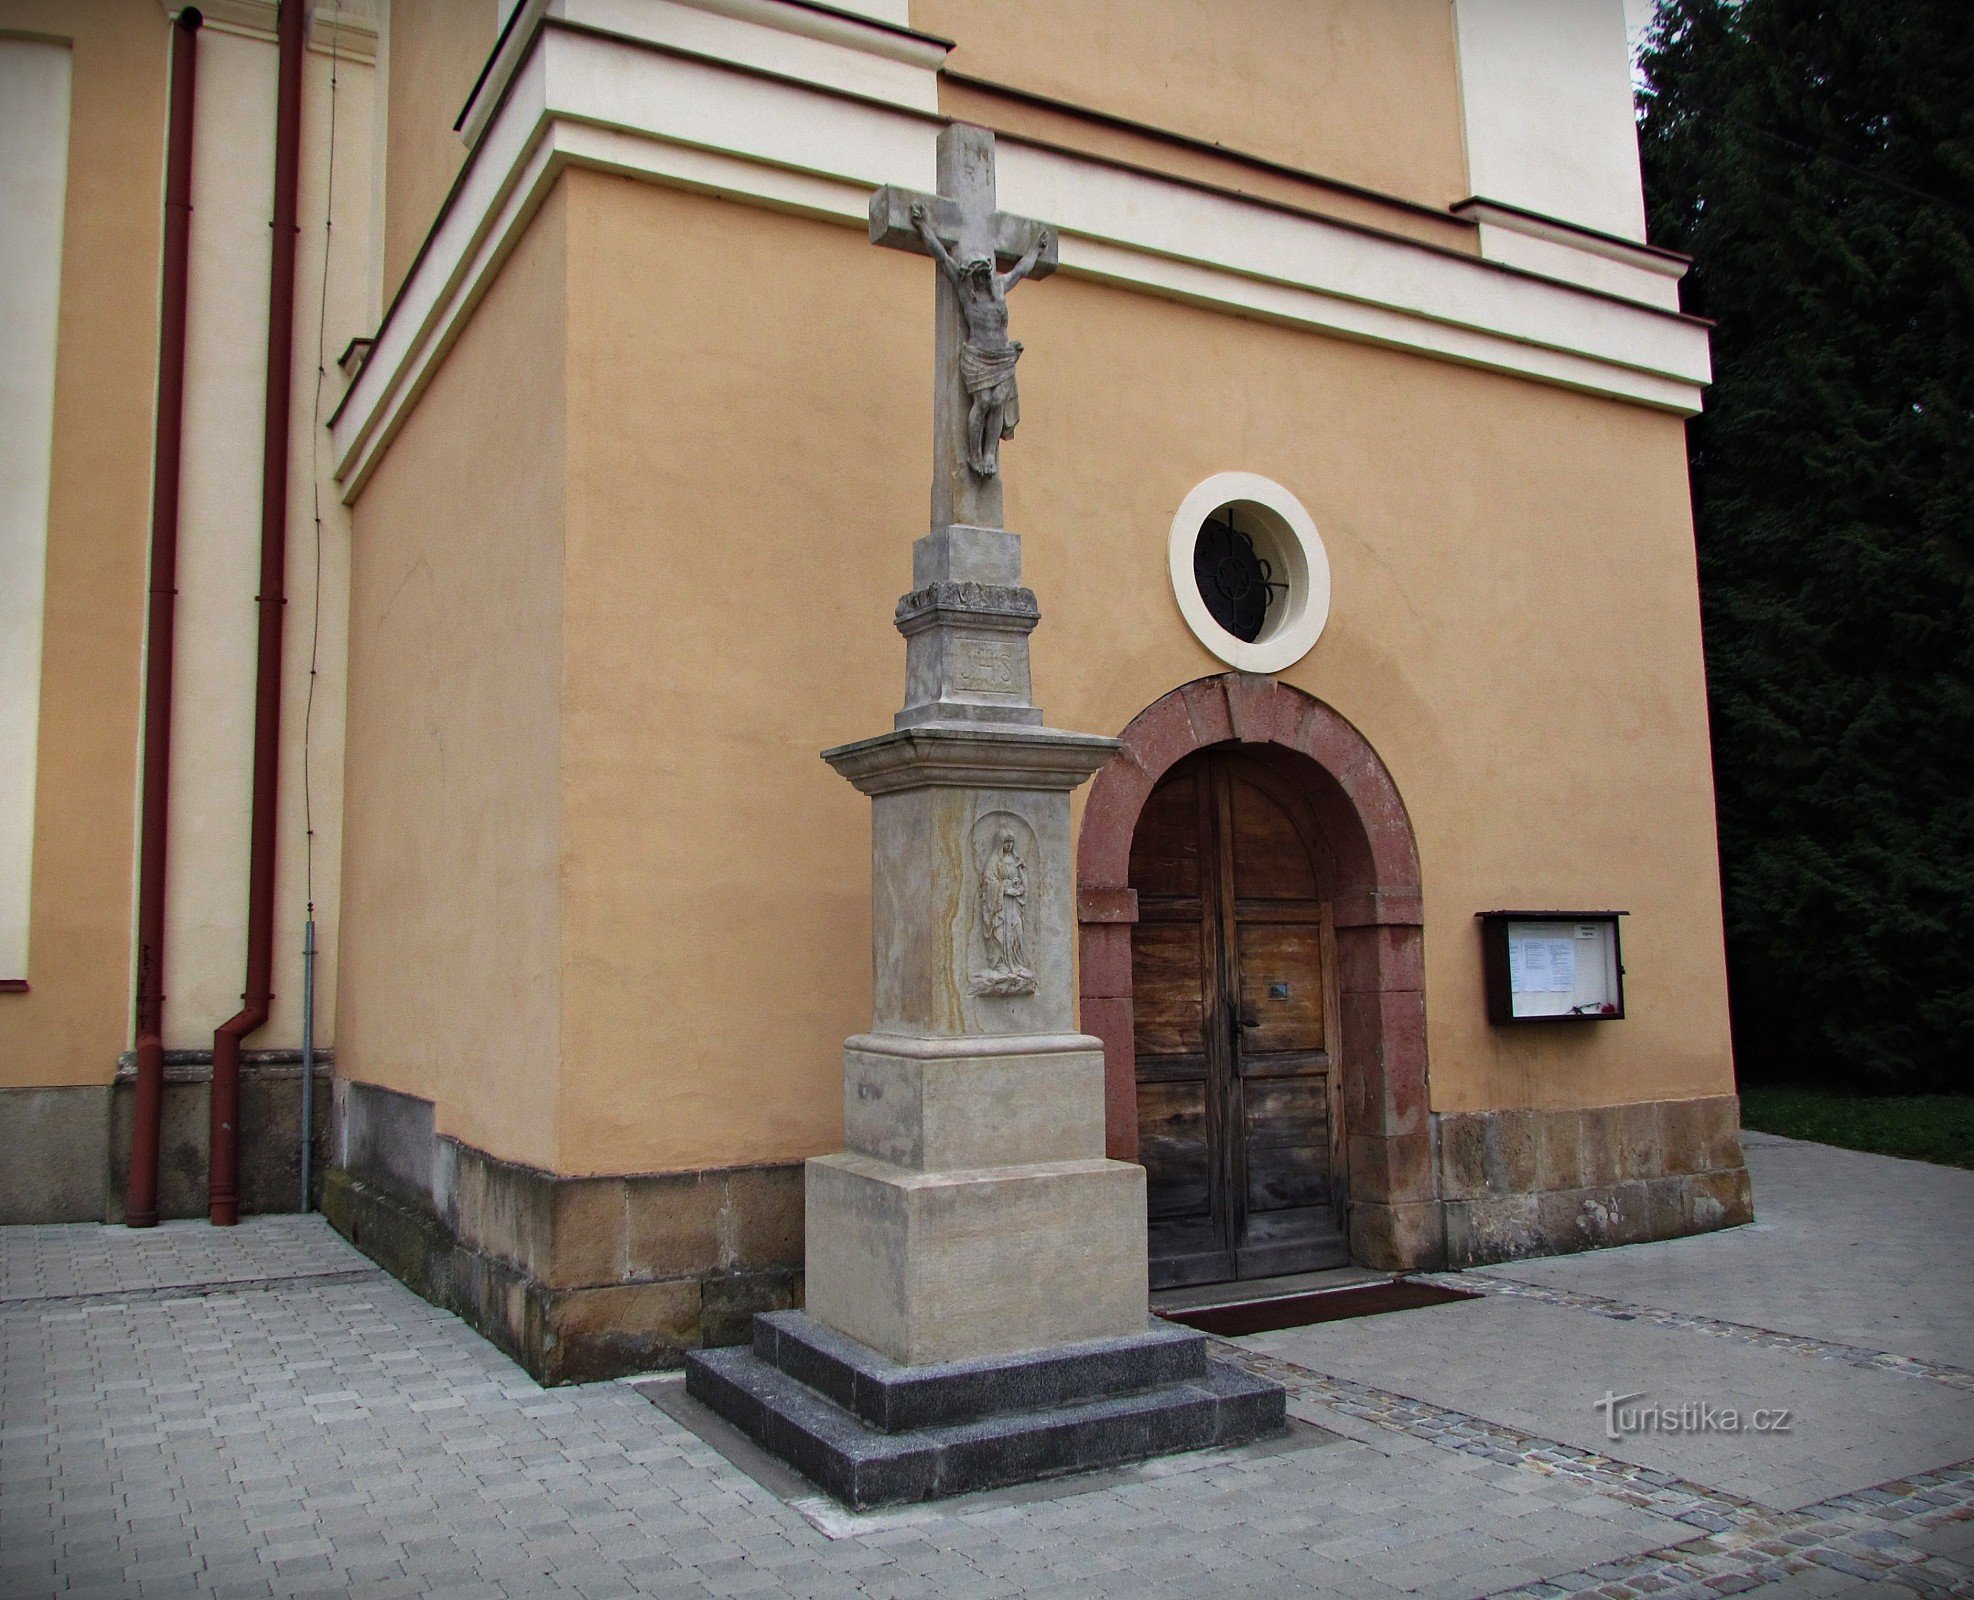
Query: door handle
x=1247 y=1016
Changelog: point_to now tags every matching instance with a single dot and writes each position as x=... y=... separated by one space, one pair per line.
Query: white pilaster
x=1545 y=90
x=34 y=159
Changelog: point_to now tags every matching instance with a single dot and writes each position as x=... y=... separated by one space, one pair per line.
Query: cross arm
x=891 y=225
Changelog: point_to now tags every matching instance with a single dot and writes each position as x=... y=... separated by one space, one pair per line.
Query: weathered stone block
x=1391 y=1171
x=605 y=1331
x=270 y=1137
x=1398 y=1238
x=1685 y=1139
x=932 y=1104
x=763 y=1218
x=672 y=1224
x=1721 y=1199
x=1633 y=1202
x=1384 y=1037
x=1497 y=1228
x=588 y=1221
x=1250 y=706
x=1559 y=1150
x=1377 y=957
x=1601 y=1144
x=57 y=1153
x=1463 y=1155
x=505 y=1210
x=1667 y=1207
x=729 y=1302
x=1720 y=1123
x=1206 y=705
x=1640 y=1141
x=1110 y=1021
x=1105 y=953
x=948 y=1266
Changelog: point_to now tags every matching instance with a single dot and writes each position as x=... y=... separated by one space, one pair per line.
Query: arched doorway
x=1319 y=809
x=1233 y=969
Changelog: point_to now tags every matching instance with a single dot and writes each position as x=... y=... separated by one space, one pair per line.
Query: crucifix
x=974 y=398
x=971 y=1254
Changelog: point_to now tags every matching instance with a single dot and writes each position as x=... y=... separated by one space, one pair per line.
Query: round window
x=1249 y=571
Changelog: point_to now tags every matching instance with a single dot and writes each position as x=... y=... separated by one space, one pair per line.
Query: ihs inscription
x=988 y=668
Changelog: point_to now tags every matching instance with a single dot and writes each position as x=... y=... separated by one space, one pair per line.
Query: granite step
x=865 y=1467
x=894 y=1398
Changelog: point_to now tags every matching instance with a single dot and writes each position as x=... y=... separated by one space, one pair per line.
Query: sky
x=1637 y=16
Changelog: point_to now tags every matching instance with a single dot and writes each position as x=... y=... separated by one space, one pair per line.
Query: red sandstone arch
x=1394 y=1208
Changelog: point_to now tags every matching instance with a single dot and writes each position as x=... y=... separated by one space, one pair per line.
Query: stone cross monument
x=976 y=1269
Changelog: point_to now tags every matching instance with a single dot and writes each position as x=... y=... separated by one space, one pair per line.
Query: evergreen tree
x=1816 y=158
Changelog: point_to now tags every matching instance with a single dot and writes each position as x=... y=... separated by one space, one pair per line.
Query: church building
x=463 y=577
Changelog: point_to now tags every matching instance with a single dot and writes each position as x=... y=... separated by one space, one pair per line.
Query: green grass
x=1921 y=1127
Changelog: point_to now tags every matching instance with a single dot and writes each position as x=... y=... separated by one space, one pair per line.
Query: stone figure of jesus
x=988 y=355
x=1003 y=901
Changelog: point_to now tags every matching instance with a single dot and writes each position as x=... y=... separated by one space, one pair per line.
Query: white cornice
x=817 y=43
x=580 y=98
x=1555 y=249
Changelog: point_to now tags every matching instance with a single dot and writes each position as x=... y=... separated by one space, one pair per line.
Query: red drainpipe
x=140 y=1208
x=223 y=1193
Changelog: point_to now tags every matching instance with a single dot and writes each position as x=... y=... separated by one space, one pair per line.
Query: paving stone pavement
x=259 y=1412
x=1496 y=1282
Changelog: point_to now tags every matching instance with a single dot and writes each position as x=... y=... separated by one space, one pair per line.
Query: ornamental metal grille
x=1237 y=584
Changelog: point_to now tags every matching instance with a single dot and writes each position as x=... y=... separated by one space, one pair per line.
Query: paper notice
x=1541 y=966
x=1562 y=966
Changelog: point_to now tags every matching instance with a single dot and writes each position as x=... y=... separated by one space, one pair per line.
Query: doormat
x=1331 y=1305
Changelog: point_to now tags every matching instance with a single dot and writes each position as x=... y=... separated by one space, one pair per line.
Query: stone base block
x=949 y=1266
x=873 y=1433
x=1398 y=1238
x=938 y=1104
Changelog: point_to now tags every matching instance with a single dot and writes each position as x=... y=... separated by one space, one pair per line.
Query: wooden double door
x=1234 y=1005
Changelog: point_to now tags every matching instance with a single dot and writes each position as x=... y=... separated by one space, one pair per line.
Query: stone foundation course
x=1532 y=1183
x=576 y=1278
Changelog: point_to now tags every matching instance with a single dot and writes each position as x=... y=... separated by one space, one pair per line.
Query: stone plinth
x=959 y=1264
x=874 y=1432
x=973 y=1213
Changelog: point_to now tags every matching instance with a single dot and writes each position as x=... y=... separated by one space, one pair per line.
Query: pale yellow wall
x=1364 y=93
x=220 y=534
x=74 y=1020
x=436 y=51
x=450 y=977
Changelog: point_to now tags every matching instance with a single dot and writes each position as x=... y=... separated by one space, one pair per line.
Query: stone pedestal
x=971 y=1245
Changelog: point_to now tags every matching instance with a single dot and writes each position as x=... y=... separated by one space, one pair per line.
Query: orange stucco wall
x=435 y=51
x=451 y=974
x=1368 y=94
x=1515 y=629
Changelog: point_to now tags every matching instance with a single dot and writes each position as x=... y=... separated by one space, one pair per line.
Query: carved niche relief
x=1005 y=893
